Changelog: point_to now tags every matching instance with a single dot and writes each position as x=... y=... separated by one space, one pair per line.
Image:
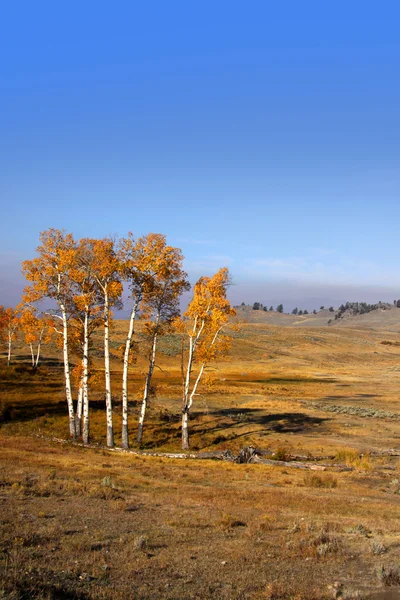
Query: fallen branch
x=248 y=455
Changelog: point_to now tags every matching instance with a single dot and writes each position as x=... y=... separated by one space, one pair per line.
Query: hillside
x=385 y=319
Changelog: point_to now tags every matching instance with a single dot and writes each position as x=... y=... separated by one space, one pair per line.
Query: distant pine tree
x=279 y=308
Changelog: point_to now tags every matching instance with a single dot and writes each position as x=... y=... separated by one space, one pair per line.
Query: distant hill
x=381 y=316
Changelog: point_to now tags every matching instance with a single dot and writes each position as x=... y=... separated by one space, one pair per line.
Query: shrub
x=378 y=548
x=281 y=453
x=389 y=576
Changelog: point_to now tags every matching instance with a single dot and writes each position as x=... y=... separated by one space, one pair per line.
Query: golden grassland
x=92 y=523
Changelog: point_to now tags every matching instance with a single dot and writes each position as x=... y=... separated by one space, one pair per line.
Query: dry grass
x=316 y=480
x=93 y=524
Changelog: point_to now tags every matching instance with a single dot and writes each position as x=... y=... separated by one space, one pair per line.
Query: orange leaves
x=48 y=273
x=9 y=323
x=209 y=309
x=35 y=327
x=101 y=258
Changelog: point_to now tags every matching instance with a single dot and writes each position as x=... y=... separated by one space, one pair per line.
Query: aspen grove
x=75 y=287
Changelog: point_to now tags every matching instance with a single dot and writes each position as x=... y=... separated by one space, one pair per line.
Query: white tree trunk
x=67 y=375
x=125 y=434
x=9 y=349
x=85 y=433
x=37 y=356
x=185 y=429
x=188 y=398
x=32 y=356
x=38 y=349
x=196 y=383
x=186 y=387
x=79 y=407
x=152 y=362
x=110 y=432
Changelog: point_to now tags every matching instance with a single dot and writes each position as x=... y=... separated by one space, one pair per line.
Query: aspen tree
x=139 y=263
x=36 y=329
x=87 y=303
x=11 y=325
x=202 y=325
x=161 y=304
x=49 y=275
x=104 y=265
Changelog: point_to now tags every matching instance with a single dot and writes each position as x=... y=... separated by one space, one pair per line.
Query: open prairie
x=94 y=523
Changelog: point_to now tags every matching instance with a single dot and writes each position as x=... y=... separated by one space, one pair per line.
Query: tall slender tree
x=161 y=305
x=104 y=266
x=11 y=326
x=140 y=261
x=49 y=277
x=203 y=325
x=87 y=309
x=37 y=329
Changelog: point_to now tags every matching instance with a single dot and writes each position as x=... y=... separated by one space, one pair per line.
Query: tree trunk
x=110 y=432
x=152 y=361
x=78 y=416
x=67 y=376
x=38 y=349
x=185 y=405
x=32 y=356
x=125 y=433
x=9 y=349
x=85 y=433
x=185 y=428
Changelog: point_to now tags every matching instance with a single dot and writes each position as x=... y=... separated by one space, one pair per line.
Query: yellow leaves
x=48 y=273
x=9 y=323
x=35 y=327
x=209 y=309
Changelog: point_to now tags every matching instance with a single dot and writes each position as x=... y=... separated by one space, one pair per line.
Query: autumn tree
x=101 y=258
x=49 y=277
x=140 y=260
x=9 y=325
x=161 y=306
x=86 y=308
x=37 y=329
x=202 y=325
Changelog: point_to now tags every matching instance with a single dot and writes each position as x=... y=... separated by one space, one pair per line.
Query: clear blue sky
x=260 y=135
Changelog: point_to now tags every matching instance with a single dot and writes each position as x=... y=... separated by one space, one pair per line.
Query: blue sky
x=264 y=136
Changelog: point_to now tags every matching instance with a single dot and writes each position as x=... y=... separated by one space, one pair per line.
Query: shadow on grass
x=31 y=409
x=230 y=424
x=288 y=422
x=25 y=360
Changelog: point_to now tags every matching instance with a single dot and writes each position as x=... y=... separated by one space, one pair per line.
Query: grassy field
x=91 y=523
